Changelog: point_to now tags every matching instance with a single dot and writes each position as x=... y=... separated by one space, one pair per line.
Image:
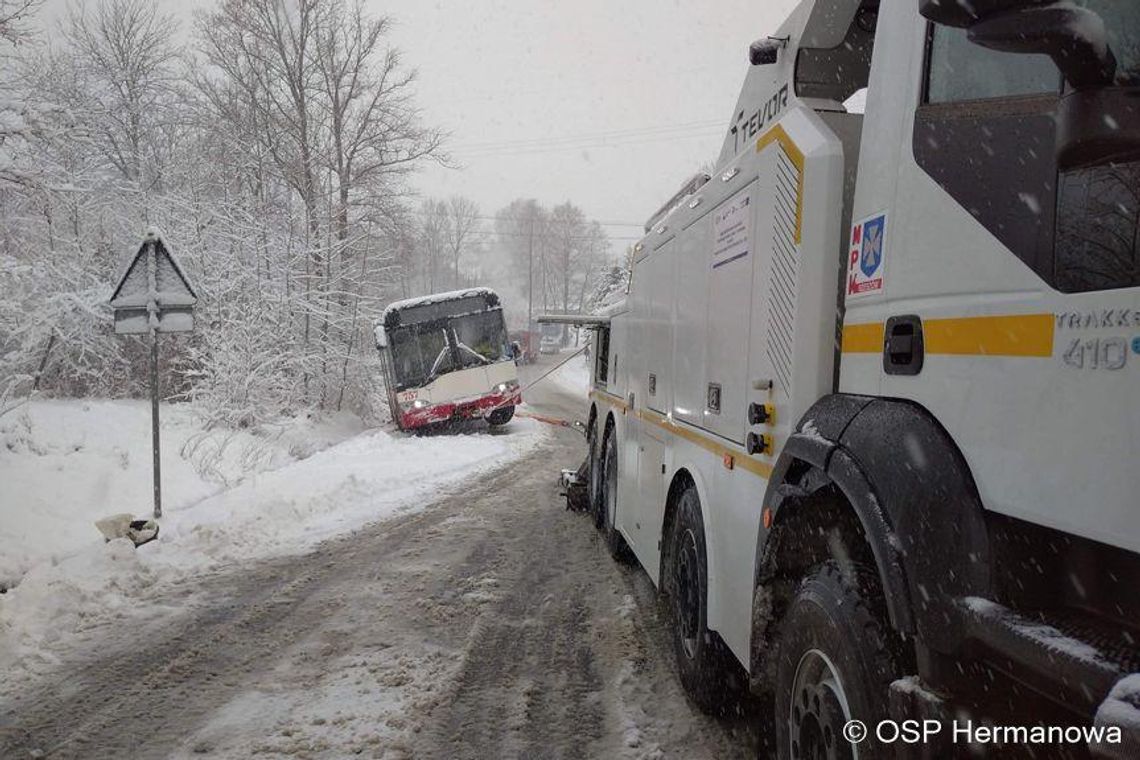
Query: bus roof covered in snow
x=439 y=305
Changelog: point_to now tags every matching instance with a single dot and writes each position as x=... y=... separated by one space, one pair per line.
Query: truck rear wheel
x=609 y=488
x=703 y=662
x=835 y=663
x=501 y=416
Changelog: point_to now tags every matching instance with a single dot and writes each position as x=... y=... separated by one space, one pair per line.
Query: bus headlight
x=507 y=387
x=420 y=404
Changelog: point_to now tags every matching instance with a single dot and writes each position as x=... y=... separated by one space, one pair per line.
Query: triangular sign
x=135 y=279
x=171 y=287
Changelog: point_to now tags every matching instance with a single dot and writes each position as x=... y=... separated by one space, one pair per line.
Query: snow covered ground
x=227 y=498
x=66 y=463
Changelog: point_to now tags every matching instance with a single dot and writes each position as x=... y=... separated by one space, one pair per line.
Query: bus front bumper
x=461 y=409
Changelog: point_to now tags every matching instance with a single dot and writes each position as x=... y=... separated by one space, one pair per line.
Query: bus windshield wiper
x=478 y=356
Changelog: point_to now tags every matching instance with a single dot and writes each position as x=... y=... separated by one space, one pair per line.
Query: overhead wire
x=612 y=133
x=606 y=143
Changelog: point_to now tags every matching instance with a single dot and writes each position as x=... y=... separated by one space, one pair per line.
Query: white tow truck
x=869 y=414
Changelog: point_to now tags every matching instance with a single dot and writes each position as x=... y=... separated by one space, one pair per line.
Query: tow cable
x=556 y=421
x=550 y=420
x=571 y=483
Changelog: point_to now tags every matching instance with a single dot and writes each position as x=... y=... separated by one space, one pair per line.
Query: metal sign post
x=154 y=423
x=153 y=296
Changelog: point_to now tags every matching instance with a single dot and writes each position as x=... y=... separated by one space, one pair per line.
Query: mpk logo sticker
x=867 y=262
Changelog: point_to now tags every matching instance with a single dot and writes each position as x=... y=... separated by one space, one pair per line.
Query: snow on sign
x=732 y=224
x=153 y=292
x=867 y=263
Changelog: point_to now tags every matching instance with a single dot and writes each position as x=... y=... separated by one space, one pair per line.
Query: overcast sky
x=610 y=105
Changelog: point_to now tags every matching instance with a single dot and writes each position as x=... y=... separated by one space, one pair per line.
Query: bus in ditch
x=446 y=357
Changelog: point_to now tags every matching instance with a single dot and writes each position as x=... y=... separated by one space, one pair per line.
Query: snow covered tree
x=461 y=224
x=611 y=286
x=13 y=17
x=125 y=53
x=274 y=159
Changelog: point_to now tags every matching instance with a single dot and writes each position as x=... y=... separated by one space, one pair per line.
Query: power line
x=590 y=136
x=493 y=233
x=611 y=143
x=421 y=212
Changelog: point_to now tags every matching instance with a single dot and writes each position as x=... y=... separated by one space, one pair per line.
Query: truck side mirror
x=381 y=337
x=1075 y=38
x=962 y=13
x=763 y=52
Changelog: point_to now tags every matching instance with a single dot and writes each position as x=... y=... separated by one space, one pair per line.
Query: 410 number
x=1097 y=353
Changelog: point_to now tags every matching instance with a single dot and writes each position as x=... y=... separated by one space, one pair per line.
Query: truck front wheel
x=836 y=661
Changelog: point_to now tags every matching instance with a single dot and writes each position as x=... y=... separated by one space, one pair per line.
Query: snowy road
x=490 y=624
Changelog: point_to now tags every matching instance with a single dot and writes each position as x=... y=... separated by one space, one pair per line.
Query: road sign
x=153 y=296
x=153 y=292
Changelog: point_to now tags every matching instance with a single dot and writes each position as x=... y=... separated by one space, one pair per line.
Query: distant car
x=550 y=344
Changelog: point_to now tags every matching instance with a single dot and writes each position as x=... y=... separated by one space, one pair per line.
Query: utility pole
x=530 y=281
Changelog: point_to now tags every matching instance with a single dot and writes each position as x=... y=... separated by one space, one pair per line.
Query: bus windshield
x=423 y=352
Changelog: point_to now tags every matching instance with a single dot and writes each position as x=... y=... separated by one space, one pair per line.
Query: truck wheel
x=501 y=416
x=609 y=487
x=593 y=482
x=703 y=662
x=835 y=663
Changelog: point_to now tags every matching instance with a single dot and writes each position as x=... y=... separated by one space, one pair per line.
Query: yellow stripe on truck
x=1027 y=335
x=739 y=458
x=1018 y=335
x=863 y=339
x=610 y=399
x=796 y=156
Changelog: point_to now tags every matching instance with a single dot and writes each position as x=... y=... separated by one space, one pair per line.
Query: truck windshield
x=423 y=352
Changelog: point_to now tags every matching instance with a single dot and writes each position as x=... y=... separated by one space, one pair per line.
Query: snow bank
x=66 y=464
x=72 y=580
x=367 y=478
